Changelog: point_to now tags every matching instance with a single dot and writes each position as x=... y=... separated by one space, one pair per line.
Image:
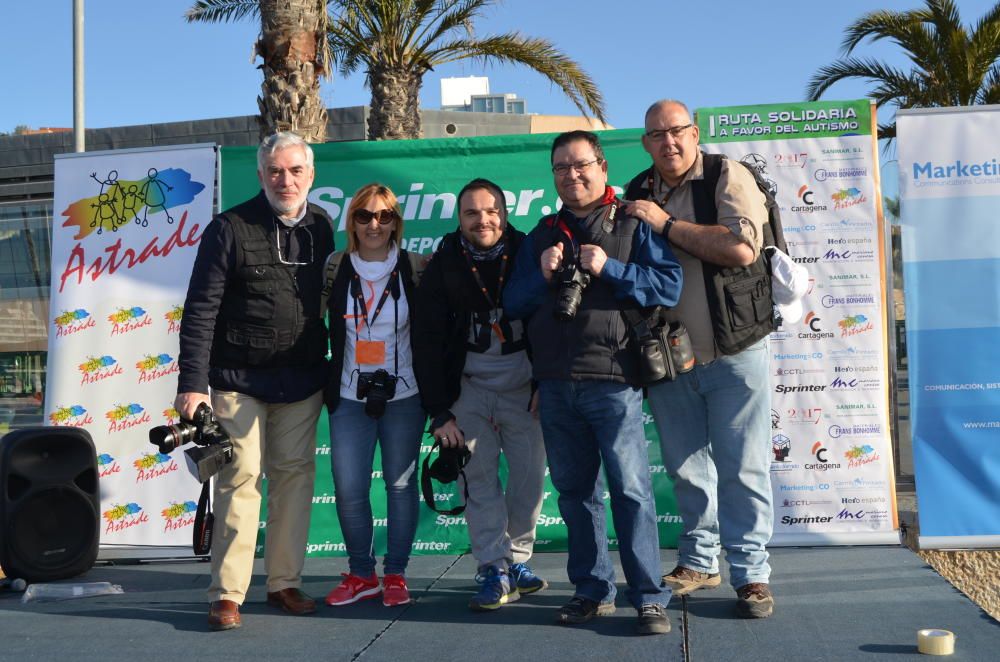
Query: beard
x=285 y=208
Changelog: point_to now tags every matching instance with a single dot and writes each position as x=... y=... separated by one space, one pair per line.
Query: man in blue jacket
x=574 y=275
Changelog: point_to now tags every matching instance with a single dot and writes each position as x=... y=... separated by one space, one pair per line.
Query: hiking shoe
x=653 y=619
x=755 y=601
x=352 y=589
x=685 y=580
x=580 y=610
x=496 y=590
x=394 y=591
x=525 y=580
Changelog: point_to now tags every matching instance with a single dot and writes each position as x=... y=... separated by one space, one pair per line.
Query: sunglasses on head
x=383 y=216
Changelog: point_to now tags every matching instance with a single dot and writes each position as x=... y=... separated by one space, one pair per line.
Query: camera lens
x=169 y=437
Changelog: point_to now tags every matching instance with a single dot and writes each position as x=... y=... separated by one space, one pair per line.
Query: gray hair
x=656 y=105
x=279 y=141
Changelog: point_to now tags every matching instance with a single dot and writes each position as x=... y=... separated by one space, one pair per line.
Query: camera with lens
x=571 y=281
x=214 y=448
x=376 y=389
x=446 y=468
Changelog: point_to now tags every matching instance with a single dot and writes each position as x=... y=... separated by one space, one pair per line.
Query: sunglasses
x=383 y=216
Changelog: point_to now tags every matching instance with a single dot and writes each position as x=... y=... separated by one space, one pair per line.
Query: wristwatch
x=667 y=225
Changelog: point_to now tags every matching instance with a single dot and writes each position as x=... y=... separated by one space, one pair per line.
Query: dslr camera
x=376 y=389
x=571 y=281
x=446 y=468
x=213 y=447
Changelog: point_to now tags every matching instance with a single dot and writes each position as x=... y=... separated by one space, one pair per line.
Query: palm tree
x=293 y=46
x=952 y=65
x=396 y=42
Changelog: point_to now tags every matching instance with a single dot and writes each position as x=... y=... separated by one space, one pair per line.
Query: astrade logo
x=852 y=325
x=107 y=465
x=178 y=515
x=848 y=197
x=97 y=369
x=121 y=517
x=860 y=455
x=126 y=417
x=126 y=320
x=154 y=367
x=153 y=465
x=73 y=416
x=173 y=317
x=69 y=322
x=117 y=202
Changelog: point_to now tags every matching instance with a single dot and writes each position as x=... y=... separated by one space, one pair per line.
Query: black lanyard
x=359 y=300
x=652 y=191
x=493 y=301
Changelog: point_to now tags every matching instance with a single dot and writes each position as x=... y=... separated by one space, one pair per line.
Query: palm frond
x=222 y=11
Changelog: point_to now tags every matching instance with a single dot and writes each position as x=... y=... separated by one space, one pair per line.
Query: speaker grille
x=53 y=528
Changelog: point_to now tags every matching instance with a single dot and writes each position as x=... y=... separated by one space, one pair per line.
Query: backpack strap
x=329 y=275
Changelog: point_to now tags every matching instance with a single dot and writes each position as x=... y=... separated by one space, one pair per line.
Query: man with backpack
x=714 y=421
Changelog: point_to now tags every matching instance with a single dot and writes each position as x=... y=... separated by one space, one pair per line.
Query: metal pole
x=78 y=126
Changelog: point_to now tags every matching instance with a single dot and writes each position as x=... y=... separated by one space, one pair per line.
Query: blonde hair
x=361 y=198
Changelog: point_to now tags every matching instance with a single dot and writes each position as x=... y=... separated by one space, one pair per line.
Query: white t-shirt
x=386 y=328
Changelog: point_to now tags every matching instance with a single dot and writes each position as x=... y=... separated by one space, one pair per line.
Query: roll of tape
x=935 y=642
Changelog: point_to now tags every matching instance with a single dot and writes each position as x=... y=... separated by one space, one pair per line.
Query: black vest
x=594 y=345
x=269 y=315
x=739 y=298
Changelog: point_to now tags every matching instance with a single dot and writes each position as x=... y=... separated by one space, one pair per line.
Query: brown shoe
x=755 y=601
x=292 y=600
x=685 y=580
x=223 y=615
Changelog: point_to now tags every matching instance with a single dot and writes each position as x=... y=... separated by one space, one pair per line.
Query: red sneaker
x=394 y=591
x=352 y=589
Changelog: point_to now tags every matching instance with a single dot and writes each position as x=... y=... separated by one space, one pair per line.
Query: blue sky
x=145 y=64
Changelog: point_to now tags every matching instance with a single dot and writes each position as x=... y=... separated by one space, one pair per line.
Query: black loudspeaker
x=49 y=503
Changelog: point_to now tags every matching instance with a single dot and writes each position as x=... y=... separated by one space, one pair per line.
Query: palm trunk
x=395 y=109
x=293 y=47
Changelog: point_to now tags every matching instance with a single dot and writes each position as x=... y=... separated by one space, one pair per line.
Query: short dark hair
x=572 y=136
x=481 y=183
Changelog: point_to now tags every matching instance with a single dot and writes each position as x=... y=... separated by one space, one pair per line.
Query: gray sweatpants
x=501 y=522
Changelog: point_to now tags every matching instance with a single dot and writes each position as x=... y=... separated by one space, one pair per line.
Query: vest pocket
x=256 y=343
x=748 y=301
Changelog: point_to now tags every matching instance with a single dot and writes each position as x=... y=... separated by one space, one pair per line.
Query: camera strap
x=428 y=490
x=204 y=522
x=391 y=287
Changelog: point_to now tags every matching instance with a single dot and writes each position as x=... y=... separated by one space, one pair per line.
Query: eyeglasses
x=297 y=233
x=659 y=135
x=383 y=216
x=563 y=169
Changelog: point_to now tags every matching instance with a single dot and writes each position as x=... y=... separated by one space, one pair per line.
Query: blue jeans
x=714 y=425
x=352 y=449
x=585 y=423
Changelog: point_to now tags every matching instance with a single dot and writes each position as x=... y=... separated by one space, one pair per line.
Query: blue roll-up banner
x=949 y=174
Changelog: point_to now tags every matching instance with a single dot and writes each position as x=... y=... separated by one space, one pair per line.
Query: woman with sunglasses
x=372 y=394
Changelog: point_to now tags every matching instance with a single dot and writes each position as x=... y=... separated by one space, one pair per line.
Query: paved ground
x=834 y=604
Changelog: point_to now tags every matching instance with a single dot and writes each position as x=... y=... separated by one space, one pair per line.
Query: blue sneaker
x=496 y=591
x=525 y=580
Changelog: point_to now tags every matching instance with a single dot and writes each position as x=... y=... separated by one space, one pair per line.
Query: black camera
x=214 y=447
x=571 y=281
x=376 y=389
x=446 y=468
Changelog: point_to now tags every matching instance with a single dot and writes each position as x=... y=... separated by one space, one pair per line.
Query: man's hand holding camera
x=592 y=259
x=186 y=404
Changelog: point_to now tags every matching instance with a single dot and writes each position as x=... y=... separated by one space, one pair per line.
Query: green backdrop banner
x=426 y=175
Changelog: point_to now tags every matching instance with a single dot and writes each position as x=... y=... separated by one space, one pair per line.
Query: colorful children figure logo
x=153 y=362
x=71 y=321
x=154 y=367
x=72 y=416
x=860 y=455
x=118 y=202
x=173 y=317
x=852 y=325
x=124 y=516
x=154 y=465
x=123 y=417
x=179 y=515
x=124 y=320
x=107 y=465
x=96 y=369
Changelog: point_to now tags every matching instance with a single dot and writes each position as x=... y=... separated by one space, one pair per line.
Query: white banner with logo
x=949 y=184
x=832 y=473
x=125 y=232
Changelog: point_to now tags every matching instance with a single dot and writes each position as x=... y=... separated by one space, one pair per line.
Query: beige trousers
x=278 y=440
